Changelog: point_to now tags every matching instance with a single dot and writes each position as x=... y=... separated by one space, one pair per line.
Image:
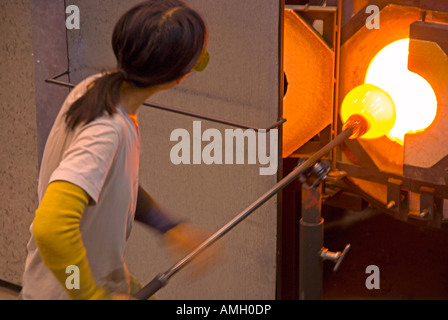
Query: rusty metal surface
x=436 y=5
x=430 y=31
x=355 y=12
x=356 y=54
x=425 y=151
x=309 y=66
x=437 y=174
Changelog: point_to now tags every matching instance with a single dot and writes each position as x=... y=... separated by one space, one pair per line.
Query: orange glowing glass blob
x=414 y=99
x=374 y=106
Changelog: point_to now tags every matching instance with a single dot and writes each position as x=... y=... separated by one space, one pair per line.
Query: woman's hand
x=184 y=238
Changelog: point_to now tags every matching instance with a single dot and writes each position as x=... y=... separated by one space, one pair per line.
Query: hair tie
x=123 y=73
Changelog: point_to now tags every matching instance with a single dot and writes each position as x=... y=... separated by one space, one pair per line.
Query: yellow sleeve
x=57 y=235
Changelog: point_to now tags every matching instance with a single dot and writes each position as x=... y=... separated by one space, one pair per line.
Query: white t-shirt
x=102 y=158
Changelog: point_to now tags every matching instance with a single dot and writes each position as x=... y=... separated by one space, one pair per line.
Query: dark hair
x=155 y=42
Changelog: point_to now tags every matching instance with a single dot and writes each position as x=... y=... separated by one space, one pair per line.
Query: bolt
x=391 y=205
x=424 y=213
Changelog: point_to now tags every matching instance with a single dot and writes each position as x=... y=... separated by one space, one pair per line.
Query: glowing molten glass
x=372 y=107
x=414 y=99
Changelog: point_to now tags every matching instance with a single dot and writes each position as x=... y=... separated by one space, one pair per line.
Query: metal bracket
x=429 y=208
x=312 y=177
x=397 y=199
x=336 y=257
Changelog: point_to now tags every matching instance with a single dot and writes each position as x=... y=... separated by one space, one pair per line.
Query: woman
x=88 y=181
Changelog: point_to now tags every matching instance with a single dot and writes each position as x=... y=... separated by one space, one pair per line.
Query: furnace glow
x=414 y=98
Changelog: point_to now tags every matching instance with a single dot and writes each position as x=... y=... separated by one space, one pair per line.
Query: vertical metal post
x=337 y=64
x=310 y=244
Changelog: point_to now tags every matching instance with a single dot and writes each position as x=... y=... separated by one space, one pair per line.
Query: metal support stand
x=310 y=244
x=161 y=280
x=312 y=253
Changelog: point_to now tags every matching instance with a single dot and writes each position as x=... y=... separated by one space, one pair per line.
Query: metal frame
x=281 y=95
x=311 y=225
x=331 y=16
x=277 y=124
x=431 y=208
x=398 y=187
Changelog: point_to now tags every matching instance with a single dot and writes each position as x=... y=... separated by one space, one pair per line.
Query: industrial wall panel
x=34 y=49
x=18 y=138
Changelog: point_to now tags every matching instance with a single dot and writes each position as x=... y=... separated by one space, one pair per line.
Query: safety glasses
x=202 y=62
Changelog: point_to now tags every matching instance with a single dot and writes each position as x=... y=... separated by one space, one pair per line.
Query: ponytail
x=102 y=96
x=154 y=42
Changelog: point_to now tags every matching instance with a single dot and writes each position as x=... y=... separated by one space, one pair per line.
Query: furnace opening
x=414 y=98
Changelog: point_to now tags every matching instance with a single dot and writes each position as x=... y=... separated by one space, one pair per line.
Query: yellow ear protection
x=202 y=62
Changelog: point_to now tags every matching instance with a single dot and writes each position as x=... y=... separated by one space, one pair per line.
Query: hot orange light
x=373 y=107
x=414 y=99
